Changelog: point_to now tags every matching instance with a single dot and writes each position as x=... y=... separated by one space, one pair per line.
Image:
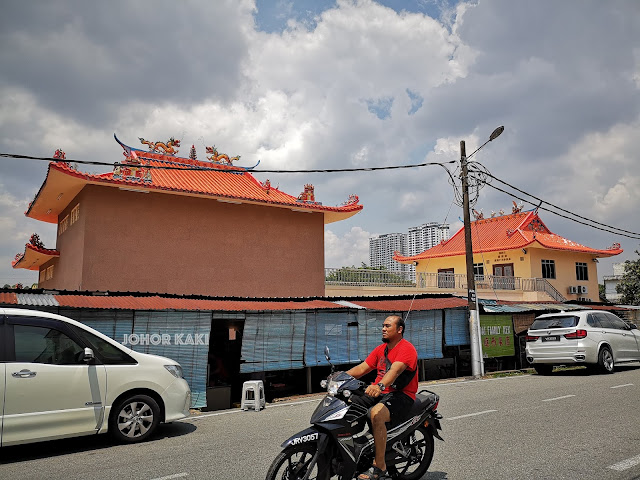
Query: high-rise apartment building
x=381 y=250
x=418 y=240
x=426 y=236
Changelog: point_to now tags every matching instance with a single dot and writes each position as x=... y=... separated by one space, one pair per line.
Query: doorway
x=503 y=278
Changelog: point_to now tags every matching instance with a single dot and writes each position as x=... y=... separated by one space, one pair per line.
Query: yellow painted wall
x=527 y=265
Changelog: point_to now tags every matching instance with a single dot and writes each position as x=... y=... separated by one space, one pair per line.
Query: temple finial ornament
x=516 y=208
x=308 y=194
x=164 y=148
x=222 y=158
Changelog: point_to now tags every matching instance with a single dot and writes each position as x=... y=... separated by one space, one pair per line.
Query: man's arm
x=360 y=370
x=392 y=374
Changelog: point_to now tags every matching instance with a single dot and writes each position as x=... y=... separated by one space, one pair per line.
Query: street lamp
x=474 y=320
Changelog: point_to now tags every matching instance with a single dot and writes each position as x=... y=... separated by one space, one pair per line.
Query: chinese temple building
x=167 y=224
x=516 y=257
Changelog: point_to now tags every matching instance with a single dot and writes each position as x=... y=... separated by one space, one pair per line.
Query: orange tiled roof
x=184 y=177
x=506 y=232
x=33 y=257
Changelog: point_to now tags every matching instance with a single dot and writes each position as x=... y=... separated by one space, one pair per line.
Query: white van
x=60 y=378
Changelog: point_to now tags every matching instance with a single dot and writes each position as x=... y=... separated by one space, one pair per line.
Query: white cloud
x=350 y=249
x=558 y=75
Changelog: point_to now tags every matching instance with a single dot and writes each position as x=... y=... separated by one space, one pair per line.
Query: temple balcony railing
x=435 y=282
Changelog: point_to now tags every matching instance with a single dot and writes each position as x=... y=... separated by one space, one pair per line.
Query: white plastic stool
x=252 y=395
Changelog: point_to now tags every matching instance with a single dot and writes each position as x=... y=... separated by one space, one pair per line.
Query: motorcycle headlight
x=334 y=386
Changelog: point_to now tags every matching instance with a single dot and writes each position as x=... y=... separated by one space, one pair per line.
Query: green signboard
x=497 y=336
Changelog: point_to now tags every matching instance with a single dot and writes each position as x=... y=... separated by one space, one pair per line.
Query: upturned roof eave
x=33 y=257
x=332 y=214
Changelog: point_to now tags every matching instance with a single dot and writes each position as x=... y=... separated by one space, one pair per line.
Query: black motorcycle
x=339 y=444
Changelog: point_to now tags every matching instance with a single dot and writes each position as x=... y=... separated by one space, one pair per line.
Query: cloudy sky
x=305 y=84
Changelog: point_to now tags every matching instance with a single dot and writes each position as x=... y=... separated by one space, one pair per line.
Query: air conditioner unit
x=583 y=289
x=573 y=290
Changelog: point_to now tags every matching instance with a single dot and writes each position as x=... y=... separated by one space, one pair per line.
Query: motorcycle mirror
x=328 y=357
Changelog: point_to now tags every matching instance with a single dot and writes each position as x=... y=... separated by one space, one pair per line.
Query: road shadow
x=54 y=448
x=434 y=476
x=587 y=372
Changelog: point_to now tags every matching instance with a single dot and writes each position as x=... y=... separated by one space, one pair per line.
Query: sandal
x=374 y=474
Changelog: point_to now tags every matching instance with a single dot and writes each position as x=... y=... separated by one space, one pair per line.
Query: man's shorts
x=399 y=404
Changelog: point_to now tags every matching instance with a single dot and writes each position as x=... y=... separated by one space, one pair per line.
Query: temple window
x=548 y=269
x=75 y=214
x=581 y=271
x=42 y=274
x=64 y=224
x=49 y=273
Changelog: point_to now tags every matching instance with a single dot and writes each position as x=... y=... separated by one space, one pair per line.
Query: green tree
x=629 y=286
x=365 y=274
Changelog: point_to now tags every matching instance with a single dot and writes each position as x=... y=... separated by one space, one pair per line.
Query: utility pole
x=476 y=352
x=477 y=363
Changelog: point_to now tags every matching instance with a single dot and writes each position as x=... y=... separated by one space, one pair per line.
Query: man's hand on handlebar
x=373 y=391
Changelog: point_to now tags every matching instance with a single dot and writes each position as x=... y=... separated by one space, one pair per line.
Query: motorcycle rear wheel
x=293 y=463
x=420 y=443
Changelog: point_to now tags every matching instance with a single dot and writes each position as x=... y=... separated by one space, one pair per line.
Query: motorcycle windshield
x=328 y=406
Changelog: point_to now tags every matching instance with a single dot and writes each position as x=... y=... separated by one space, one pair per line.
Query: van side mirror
x=632 y=326
x=88 y=355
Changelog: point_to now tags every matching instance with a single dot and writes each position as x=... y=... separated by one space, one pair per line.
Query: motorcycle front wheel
x=420 y=447
x=293 y=463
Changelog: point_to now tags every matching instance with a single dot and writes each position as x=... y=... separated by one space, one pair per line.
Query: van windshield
x=555 y=322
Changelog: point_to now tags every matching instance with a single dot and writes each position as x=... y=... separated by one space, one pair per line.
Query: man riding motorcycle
x=393 y=392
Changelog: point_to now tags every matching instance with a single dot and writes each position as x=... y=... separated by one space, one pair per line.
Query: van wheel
x=605 y=360
x=134 y=419
x=543 y=369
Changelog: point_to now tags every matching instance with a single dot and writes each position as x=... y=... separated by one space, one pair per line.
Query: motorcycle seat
x=419 y=404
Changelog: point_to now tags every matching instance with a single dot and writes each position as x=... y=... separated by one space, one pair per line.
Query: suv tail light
x=576 y=335
x=531 y=338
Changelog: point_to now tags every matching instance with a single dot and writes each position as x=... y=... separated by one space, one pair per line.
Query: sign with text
x=497 y=336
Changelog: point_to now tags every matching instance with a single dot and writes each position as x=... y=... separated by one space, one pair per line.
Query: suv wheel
x=605 y=360
x=134 y=419
x=543 y=369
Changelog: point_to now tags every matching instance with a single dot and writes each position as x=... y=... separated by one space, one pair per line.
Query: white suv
x=60 y=378
x=594 y=338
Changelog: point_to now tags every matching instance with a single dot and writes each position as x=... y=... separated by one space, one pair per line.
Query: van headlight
x=175 y=370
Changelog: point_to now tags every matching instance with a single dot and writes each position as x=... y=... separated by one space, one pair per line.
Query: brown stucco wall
x=67 y=273
x=177 y=244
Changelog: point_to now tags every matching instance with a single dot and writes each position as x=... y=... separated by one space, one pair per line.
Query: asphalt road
x=570 y=425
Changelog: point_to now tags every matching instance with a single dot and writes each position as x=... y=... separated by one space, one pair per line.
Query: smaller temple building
x=167 y=224
x=515 y=257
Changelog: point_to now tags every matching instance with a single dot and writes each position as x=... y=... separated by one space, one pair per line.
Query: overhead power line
x=198 y=168
x=559 y=208
x=538 y=205
x=480 y=172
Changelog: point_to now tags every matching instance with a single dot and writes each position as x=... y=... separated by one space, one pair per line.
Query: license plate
x=551 y=338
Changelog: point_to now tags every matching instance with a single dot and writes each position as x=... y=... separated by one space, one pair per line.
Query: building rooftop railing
x=436 y=281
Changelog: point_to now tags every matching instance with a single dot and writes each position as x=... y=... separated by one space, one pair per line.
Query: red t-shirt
x=403 y=352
